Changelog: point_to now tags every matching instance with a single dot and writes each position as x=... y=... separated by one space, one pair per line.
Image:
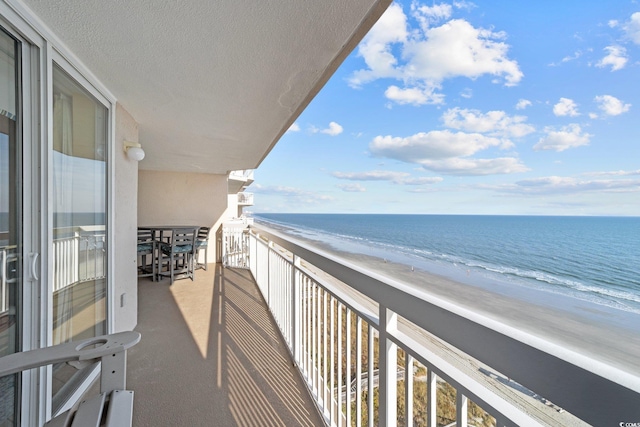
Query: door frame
x=39 y=49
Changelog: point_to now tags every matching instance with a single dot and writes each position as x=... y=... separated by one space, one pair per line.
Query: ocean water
x=594 y=259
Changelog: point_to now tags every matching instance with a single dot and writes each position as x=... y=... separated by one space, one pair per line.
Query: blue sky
x=472 y=108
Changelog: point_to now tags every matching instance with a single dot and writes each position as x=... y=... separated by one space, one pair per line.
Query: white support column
x=388 y=368
x=432 y=393
x=461 y=409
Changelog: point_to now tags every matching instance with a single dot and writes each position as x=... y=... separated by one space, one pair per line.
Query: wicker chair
x=202 y=242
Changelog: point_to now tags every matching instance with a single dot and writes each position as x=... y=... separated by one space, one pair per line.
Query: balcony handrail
x=579 y=383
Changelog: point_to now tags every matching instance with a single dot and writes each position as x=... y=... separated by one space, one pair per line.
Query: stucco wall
x=125 y=280
x=178 y=198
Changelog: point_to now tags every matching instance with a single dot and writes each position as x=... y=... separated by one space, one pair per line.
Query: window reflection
x=79 y=217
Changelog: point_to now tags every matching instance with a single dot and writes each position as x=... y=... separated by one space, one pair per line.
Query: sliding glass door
x=53 y=200
x=79 y=200
x=11 y=220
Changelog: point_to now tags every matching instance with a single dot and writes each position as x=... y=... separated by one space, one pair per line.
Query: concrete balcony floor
x=211 y=354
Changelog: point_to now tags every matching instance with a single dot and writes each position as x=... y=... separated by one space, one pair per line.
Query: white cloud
x=611 y=105
x=466 y=93
x=570 y=136
x=429 y=15
x=422 y=59
x=616 y=58
x=375 y=48
x=576 y=55
x=612 y=23
x=559 y=184
x=466 y=5
x=522 y=104
x=375 y=175
x=460 y=166
x=494 y=123
x=293 y=194
x=414 y=96
x=434 y=145
x=352 y=188
x=447 y=152
x=457 y=49
x=402 y=178
x=333 y=129
x=632 y=28
x=614 y=173
x=566 y=107
x=573 y=57
x=422 y=180
x=294 y=127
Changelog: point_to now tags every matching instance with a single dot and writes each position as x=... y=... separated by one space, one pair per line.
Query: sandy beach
x=602 y=333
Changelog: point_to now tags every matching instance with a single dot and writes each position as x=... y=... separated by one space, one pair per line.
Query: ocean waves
x=590 y=259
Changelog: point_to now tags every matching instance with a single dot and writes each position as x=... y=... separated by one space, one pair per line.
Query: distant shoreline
x=603 y=333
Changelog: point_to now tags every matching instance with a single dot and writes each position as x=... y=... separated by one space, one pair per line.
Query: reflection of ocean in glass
x=77 y=219
x=79 y=205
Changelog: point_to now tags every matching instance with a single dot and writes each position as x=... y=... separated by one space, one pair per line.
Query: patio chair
x=202 y=241
x=175 y=259
x=146 y=249
x=113 y=406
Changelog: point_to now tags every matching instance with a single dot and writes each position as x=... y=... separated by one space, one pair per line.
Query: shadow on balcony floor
x=211 y=355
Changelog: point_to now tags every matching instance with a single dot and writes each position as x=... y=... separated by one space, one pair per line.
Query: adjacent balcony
x=245 y=199
x=288 y=335
x=239 y=179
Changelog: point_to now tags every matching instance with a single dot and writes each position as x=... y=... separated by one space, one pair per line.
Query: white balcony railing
x=78 y=258
x=337 y=338
x=245 y=199
x=235 y=244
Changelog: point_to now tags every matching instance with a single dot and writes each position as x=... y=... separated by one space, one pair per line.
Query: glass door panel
x=79 y=221
x=10 y=222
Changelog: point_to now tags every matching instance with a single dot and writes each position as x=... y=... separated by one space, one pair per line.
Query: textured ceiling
x=212 y=84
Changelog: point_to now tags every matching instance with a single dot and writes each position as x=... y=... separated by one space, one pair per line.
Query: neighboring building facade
x=71 y=200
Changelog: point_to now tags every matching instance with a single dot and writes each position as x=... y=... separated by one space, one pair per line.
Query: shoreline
x=603 y=333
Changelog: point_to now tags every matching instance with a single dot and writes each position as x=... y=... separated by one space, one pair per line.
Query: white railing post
x=348 y=373
x=388 y=376
x=370 y=376
x=461 y=409
x=339 y=364
x=295 y=310
x=358 y=371
x=432 y=393
x=268 y=290
x=332 y=410
x=408 y=383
